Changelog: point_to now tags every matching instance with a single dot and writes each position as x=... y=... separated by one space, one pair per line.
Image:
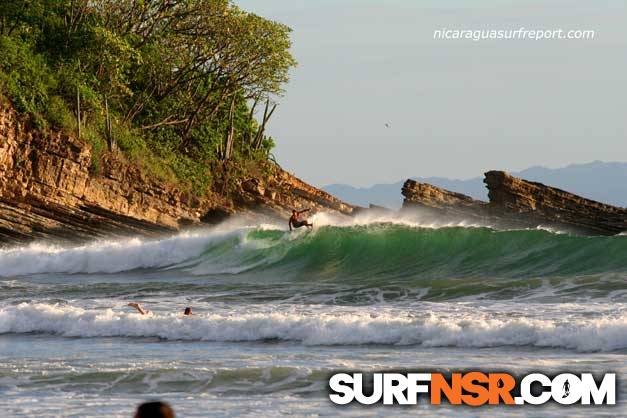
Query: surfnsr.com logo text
x=472 y=388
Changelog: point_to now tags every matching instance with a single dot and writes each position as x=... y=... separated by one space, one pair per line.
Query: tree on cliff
x=181 y=79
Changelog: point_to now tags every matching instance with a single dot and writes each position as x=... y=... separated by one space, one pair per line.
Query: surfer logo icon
x=566 y=389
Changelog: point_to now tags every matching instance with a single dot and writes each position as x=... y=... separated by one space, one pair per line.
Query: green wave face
x=333 y=264
x=384 y=262
x=400 y=253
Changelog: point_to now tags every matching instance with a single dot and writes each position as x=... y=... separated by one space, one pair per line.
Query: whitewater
x=275 y=313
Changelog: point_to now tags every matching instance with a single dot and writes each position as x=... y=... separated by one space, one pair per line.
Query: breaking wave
x=468 y=328
x=372 y=251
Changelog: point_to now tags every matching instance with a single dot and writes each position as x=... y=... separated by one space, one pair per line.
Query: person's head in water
x=154 y=410
x=188 y=311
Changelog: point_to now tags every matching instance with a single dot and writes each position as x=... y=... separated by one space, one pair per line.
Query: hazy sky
x=456 y=108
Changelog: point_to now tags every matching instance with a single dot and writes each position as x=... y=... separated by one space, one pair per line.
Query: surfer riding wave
x=296 y=222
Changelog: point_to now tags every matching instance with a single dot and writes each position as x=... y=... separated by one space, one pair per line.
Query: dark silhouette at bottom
x=154 y=410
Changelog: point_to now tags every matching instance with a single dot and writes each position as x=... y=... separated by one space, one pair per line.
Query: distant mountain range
x=601 y=181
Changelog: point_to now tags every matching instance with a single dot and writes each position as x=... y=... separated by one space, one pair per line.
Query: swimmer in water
x=141 y=310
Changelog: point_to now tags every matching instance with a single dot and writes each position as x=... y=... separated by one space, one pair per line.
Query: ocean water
x=275 y=314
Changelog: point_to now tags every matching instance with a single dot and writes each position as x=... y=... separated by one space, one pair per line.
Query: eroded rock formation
x=516 y=202
x=552 y=205
x=438 y=205
x=48 y=192
x=282 y=192
x=429 y=196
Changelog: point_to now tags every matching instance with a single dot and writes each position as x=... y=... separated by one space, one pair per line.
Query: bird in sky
x=388 y=125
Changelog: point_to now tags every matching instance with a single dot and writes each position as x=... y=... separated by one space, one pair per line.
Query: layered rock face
x=426 y=195
x=282 y=192
x=48 y=192
x=436 y=203
x=520 y=204
x=549 y=204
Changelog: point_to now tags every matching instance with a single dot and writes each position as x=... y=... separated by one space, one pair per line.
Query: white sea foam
x=183 y=249
x=414 y=220
x=114 y=256
x=467 y=328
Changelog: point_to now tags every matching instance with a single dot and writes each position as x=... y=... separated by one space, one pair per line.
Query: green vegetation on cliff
x=175 y=85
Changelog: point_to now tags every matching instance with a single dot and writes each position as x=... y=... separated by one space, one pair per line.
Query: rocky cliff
x=516 y=202
x=48 y=192
x=549 y=204
x=437 y=204
x=282 y=192
x=426 y=195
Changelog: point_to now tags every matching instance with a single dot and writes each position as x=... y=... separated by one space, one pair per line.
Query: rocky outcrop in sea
x=518 y=203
